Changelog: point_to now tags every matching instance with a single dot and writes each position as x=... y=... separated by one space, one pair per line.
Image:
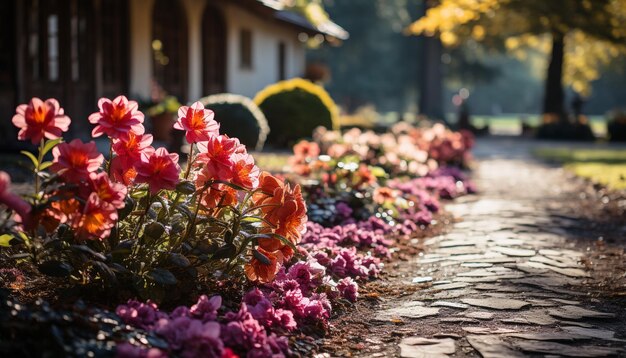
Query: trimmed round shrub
x=294 y=108
x=239 y=117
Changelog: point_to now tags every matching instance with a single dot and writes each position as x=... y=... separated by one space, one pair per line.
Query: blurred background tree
x=580 y=37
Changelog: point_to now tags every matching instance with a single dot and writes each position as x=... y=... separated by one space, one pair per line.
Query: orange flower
x=282 y=207
x=264 y=272
x=219 y=194
x=384 y=195
x=96 y=219
x=198 y=122
x=117 y=117
x=305 y=149
x=38 y=119
x=74 y=161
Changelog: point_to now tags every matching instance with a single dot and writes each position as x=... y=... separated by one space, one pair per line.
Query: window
x=53 y=47
x=282 y=61
x=245 y=49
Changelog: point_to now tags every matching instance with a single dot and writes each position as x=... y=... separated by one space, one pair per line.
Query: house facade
x=80 y=50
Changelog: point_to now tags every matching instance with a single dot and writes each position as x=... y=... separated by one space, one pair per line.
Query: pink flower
x=219 y=148
x=160 y=170
x=74 y=161
x=13 y=201
x=124 y=170
x=132 y=145
x=117 y=117
x=348 y=289
x=109 y=192
x=198 y=122
x=38 y=119
x=244 y=172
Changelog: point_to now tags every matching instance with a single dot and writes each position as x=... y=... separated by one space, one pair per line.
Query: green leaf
x=45 y=165
x=162 y=276
x=225 y=252
x=49 y=145
x=154 y=230
x=129 y=206
x=259 y=256
x=378 y=172
x=55 y=268
x=186 y=187
x=32 y=157
x=87 y=250
x=5 y=240
x=179 y=260
x=106 y=272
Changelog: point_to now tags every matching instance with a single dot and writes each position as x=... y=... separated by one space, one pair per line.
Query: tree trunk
x=431 y=74
x=554 y=98
x=431 y=86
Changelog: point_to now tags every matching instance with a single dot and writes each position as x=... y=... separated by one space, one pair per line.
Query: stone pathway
x=507 y=280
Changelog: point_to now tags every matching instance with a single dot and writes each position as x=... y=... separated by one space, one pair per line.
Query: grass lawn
x=511 y=124
x=604 y=166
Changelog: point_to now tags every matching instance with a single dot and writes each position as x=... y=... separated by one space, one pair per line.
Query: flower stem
x=39 y=160
x=189 y=160
x=110 y=156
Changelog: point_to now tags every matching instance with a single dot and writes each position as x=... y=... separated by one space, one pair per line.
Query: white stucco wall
x=266 y=35
x=140 y=50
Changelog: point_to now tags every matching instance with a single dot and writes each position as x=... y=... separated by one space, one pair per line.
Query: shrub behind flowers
x=137 y=216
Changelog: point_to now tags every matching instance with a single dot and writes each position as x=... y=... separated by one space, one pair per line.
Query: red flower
x=96 y=219
x=108 y=192
x=264 y=272
x=198 y=122
x=160 y=170
x=38 y=119
x=13 y=201
x=117 y=117
x=132 y=145
x=75 y=160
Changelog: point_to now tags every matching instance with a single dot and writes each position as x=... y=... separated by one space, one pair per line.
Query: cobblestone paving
x=506 y=281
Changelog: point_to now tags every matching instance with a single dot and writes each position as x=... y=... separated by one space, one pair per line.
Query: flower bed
x=269 y=258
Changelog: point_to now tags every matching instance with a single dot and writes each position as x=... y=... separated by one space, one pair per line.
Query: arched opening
x=213 y=51
x=169 y=48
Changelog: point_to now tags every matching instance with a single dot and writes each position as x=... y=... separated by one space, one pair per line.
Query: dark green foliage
x=294 y=114
x=239 y=117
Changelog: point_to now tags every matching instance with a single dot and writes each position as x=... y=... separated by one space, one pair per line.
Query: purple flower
x=141 y=315
x=127 y=350
x=206 y=308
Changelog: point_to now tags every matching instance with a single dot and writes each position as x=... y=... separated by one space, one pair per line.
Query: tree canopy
x=593 y=31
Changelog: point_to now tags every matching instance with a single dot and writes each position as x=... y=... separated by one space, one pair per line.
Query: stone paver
x=507 y=277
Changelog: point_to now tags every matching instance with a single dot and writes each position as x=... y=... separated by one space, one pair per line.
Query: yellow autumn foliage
x=456 y=21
